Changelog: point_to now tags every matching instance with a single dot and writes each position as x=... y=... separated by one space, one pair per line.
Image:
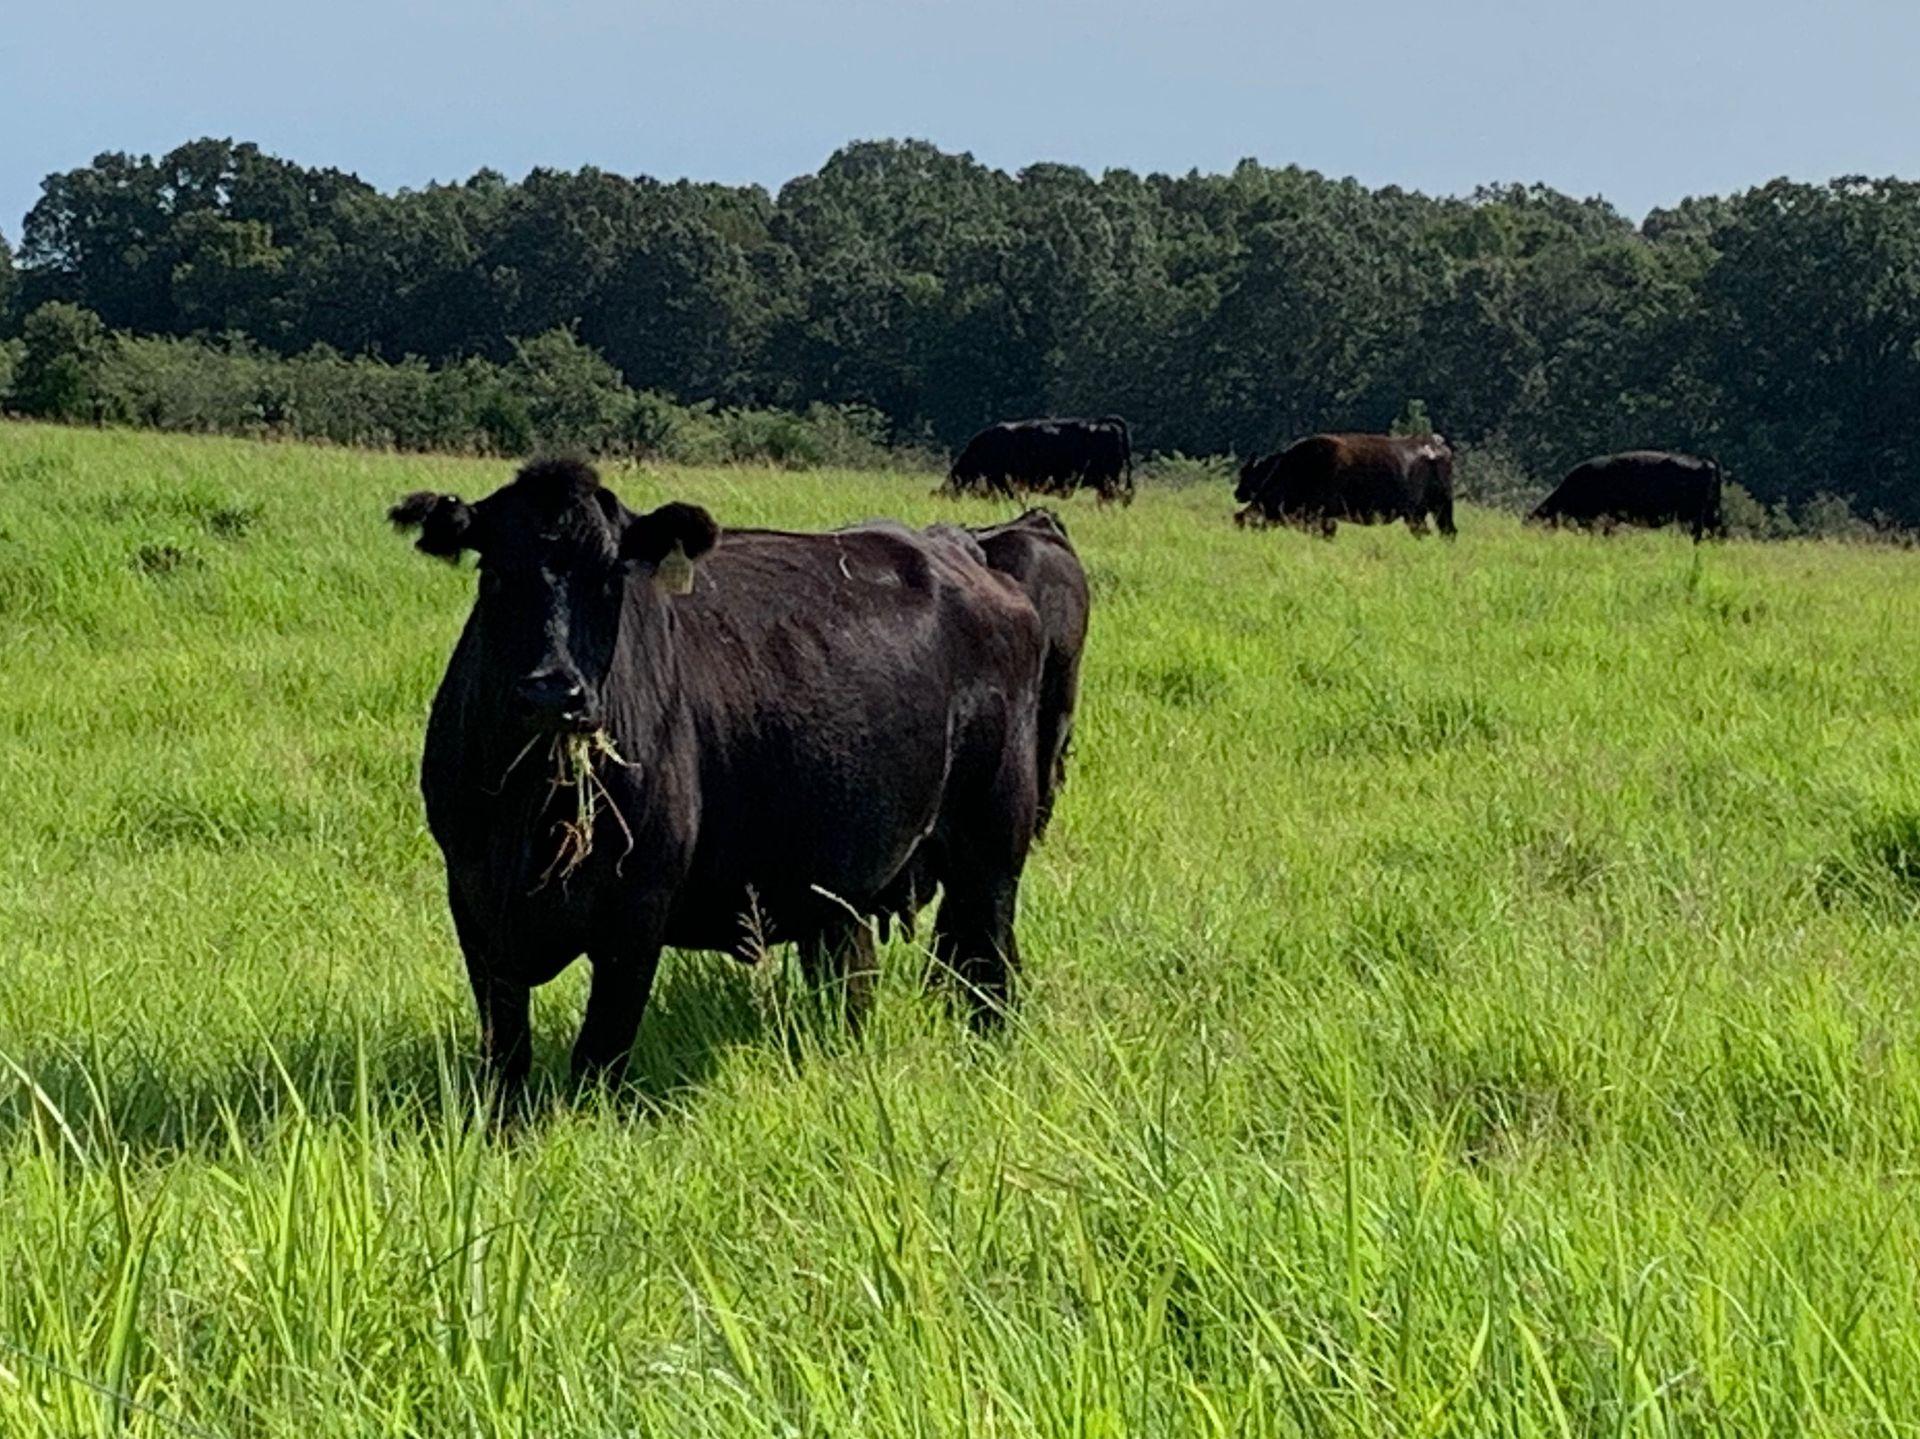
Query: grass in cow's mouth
x=575 y=759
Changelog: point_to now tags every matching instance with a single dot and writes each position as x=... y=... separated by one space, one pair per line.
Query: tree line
x=906 y=296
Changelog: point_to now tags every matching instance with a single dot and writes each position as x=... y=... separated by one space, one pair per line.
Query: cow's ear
x=445 y=523
x=667 y=541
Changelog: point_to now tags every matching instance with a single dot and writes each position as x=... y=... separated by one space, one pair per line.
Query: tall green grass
x=1472 y=989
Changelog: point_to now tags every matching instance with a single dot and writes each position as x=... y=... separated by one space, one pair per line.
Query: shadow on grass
x=130 y=1093
x=1880 y=868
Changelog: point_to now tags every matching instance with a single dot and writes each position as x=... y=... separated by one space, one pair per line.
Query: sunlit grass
x=1472 y=989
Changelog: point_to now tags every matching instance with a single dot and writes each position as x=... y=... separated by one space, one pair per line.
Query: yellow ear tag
x=674 y=574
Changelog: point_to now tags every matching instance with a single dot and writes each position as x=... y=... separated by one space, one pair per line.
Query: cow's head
x=561 y=568
x=1251 y=473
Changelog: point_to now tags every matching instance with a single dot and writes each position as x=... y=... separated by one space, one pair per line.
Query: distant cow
x=1364 y=479
x=1640 y=487
x=780 y=731
x=1049 y=457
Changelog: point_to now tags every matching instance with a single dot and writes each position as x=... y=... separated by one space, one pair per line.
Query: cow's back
x=1050 y=454
x=1368 y=476
x=1640 y=486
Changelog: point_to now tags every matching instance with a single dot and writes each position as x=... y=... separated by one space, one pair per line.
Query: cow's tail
x=1053 y=738
x=1053 y=730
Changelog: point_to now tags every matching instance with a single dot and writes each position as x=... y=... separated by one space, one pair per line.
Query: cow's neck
x=642 y=682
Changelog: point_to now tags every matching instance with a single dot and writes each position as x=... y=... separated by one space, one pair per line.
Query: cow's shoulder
x=1323 y=449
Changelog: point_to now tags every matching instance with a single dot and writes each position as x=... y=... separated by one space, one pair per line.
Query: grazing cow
x=654 y=734
x=1049 y=456
x=1035 y=550
x=1641 y=487
x=1363 y=479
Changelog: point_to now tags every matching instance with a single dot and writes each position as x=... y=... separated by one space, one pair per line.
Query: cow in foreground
x=654 y=734
x=1048 y=457
x=1640 y=487
x=1364 y=479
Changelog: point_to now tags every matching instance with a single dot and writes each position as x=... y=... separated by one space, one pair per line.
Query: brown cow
x=1363 y=479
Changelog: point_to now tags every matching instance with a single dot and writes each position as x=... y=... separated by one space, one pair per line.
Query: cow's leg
x=1417 y=524
x=973 y=938
x=974 y=945
x=1443 y=516
x=839 y=956
x=622 y=982
x=504 y=1005
x=506 y=1034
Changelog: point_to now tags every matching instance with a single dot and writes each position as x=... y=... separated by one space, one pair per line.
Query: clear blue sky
x=1642 y=102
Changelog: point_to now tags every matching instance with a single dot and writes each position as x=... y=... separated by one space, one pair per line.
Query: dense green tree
x=230 y=275
x=1812 y=316
x=680 y=307
x=1779 y=328
x=6 y=287
x=98 y=237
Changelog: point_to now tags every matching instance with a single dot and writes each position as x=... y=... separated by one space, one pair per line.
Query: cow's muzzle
x=554 y=700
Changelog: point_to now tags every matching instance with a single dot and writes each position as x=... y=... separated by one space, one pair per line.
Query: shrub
x=170 y=385
x=654 y=422
x=1491 y=474
x=574 y=398
x=1176 y=471
x=849 y=436
x=63 y=350
x=504 y=423
x=9 y=365
x=846 y=436
x=1828 y=516
x=1747 y=519
x=1414 y=420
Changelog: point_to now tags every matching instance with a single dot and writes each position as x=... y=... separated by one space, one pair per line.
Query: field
x=1471 y=989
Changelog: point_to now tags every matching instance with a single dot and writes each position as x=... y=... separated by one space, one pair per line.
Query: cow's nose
x=554 y=696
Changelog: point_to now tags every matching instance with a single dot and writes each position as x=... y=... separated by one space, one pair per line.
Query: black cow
x=1035 y=550
x=1048 y=456
x=773 y=749
x=1364 y=479
x=1641 y=487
